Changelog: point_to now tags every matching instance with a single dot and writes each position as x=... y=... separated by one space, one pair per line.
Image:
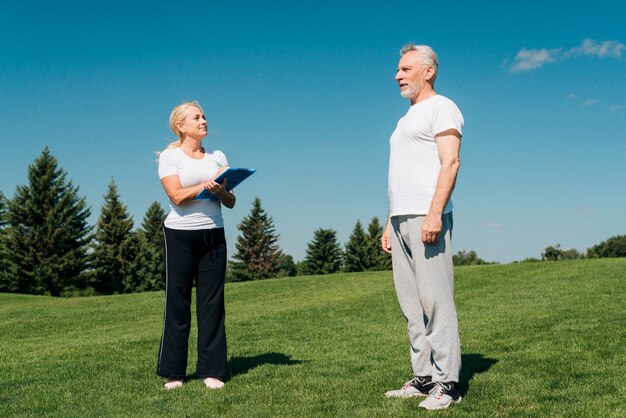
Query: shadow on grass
x=242 y=365
x=473 y=364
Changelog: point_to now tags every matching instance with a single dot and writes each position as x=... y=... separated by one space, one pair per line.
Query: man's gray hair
x=426 y=53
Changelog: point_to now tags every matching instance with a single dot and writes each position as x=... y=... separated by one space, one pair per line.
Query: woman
x=195 y=247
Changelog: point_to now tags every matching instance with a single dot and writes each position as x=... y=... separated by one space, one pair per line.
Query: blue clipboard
x=234 y=175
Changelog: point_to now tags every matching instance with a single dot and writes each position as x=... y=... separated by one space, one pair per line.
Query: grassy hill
x=538 y=339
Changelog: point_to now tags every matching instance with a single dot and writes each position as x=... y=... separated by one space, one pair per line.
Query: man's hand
x=385 y=240
x=431 y=228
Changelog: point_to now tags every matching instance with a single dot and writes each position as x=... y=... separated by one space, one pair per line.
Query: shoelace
x=410 y=382
x=438 y=390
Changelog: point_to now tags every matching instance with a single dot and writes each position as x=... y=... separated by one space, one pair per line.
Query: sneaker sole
x=458 y=400
x=415 y=395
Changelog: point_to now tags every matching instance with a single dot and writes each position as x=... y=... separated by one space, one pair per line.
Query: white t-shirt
x=414 y=160
x=194 y=214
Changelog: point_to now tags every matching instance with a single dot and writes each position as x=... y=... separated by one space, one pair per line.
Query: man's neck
x=425 y=93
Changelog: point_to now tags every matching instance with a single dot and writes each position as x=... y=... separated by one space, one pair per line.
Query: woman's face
x=194 y=125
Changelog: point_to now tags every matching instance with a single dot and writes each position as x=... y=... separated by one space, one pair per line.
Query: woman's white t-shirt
x=194 y=214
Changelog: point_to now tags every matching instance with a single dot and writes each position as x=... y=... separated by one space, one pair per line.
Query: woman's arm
x=227 y=198
x=177 y=192
x=180 y=194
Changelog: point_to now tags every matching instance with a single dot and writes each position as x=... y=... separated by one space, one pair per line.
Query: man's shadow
x=242 y=365
x=472 y=364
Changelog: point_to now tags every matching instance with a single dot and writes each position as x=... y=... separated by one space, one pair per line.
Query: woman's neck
x=191 y=146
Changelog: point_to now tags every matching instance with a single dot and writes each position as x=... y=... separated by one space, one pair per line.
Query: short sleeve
x=167 y=164
x=447 y=116
x=221 y=158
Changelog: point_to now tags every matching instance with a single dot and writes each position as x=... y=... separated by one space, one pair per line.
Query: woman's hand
x=216 y=188
x=227 y=198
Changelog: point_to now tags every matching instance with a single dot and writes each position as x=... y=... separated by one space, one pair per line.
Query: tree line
x=47 y=246
x=259 y=256
x=611 y=248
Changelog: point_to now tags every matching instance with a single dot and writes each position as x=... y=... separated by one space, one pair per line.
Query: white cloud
x=571 y=96
x=589 y=102
x=615 y=108
x=611 y=49
x=494 y=226
x=531 y=59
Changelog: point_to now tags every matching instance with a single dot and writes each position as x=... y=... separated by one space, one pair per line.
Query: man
x=423 y=165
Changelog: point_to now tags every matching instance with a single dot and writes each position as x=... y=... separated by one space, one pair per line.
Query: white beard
x=412 y=91
x=407 y=94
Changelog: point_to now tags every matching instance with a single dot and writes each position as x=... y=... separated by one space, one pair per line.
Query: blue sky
x=304 y=93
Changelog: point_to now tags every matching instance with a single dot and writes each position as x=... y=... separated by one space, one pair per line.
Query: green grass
x=538 y=339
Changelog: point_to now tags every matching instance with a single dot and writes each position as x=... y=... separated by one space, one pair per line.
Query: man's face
x=411 y=75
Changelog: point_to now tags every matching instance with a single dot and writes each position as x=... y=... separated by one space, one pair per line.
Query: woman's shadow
x=473 y=364
x=243 y=364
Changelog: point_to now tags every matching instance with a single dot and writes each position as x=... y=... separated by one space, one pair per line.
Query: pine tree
x=150 y=265
x=258 y=254
x=48 y=233
x=323 y=254
x=115 y=247
x=355 y=256
x=377 y=258
x=6 y=282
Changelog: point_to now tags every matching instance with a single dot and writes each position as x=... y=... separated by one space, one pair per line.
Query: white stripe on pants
x=424 y=282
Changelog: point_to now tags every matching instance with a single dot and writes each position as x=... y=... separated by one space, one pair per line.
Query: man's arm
x=448 y=146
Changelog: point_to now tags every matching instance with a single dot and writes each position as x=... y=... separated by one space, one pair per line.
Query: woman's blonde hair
x=179 y=113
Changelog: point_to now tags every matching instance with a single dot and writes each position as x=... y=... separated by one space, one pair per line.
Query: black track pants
x=199 y=254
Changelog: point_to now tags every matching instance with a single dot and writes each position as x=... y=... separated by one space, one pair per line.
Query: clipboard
x=234 y=175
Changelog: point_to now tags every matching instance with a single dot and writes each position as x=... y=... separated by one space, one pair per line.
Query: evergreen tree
x=377 y=259
x=258 y=254
x=6 y=283
x=355 y=257
x=150 y=265
x=323 y=254
x=115 y=247
x=48 y=233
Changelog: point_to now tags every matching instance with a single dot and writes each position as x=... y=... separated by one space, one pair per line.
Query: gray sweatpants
x=424 y=282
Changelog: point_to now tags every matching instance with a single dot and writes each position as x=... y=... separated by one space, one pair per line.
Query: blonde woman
x=195 y=248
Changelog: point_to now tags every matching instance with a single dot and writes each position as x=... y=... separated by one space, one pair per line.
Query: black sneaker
x=442 y=396
x=419 y=386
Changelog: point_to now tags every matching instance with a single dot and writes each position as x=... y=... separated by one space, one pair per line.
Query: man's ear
x=430 y=73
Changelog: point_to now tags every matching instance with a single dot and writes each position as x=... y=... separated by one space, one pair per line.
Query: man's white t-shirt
x=194 y=214
x=414 y=160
